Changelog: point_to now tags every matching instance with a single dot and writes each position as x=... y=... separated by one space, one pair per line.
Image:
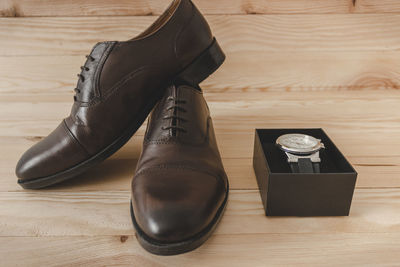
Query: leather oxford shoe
x=117 y=88
x=180 y=188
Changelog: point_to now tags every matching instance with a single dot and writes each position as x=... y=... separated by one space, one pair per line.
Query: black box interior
x=328 y=193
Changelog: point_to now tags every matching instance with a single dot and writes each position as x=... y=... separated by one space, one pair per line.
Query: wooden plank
x=29 y=8
x=260 y=33
x=26 y=8
x=107 y=213
x=264 y=71
x=237 y=113
x=327 y=249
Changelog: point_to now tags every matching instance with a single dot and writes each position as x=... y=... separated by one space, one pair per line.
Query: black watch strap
x=304 y=165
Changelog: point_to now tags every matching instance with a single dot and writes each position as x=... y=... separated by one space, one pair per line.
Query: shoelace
x=175 y=118
x=81 y=75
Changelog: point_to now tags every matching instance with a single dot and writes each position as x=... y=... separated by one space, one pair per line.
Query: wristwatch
x=302 y=152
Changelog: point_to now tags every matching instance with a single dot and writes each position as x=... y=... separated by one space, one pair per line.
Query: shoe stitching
x=74 y=138
x=100 y=67
x=181 y=167
x=116 y=87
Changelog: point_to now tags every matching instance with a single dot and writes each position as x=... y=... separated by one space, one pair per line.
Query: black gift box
x=283 y=193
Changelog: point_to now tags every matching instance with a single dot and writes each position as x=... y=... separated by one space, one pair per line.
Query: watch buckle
x=295 y=158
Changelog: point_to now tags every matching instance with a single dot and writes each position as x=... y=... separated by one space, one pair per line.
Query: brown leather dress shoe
x=119 y=85
x=180 y=188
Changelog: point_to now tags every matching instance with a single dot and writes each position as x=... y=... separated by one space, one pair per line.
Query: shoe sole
x=167 y=249
x=198 y=70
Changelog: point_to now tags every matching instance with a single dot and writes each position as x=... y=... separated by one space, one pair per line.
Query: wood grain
x=28 y=8
x=107 y=213
x=236 y=33
x=254 y=250
x=264 y=71
x=355 y=111
x=19 y=8
x=372 y=6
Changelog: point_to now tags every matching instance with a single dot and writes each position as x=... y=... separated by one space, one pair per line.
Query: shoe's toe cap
x=53 y=154
x=174 y=204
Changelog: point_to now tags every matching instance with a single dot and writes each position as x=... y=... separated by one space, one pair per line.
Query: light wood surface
x=235 y=33
x=70 y=213
x=28 y=8
x=292 y=63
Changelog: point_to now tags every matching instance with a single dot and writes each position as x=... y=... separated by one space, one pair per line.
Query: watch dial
x=298 y=141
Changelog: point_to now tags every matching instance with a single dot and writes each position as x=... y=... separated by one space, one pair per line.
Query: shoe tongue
x=170 y=108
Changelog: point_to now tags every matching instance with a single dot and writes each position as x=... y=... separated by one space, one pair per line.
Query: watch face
x=299 y=143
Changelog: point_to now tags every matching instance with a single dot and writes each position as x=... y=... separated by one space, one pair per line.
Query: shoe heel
x=203 y=66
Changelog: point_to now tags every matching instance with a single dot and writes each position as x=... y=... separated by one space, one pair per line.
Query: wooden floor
x=333 y=64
